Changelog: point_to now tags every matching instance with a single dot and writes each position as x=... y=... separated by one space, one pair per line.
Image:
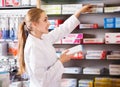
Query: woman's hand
x=66 y=57
x=84 y=9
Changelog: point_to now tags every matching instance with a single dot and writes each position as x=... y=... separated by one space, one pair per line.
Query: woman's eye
x=45 y=20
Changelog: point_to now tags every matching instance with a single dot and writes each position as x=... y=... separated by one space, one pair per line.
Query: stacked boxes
x=92 y=70
x=115 y=82
x=85 y=83
x=70 y=8
x=69 y=82
x=113 y=55
x=117 y=22
x=74 y=38
x=114 y=69
x=112 y=9
x=98 y=7
x=109 y=22
x=85 y=26
x=102 y=82
x=93 y=40
x=112 y=22
x=112 y=38
x=73 y=70
x=96 y=54
x=52 y=9
x=106 y=82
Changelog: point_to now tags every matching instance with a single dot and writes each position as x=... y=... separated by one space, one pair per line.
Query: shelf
x=96 y=59
x=101 y=28
x=118 y=76
x=88 y=44
x=20 y=7
x=91 y=29
x=83 y=14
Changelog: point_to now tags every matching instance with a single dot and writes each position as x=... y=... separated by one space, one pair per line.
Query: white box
x=52 y=9
x=112 y=9
x=70 y=8
x=75 y=49
x=73 y=70
x=93 y=40
x=25 y=2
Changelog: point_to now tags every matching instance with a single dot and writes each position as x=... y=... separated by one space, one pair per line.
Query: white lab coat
x=42 y=64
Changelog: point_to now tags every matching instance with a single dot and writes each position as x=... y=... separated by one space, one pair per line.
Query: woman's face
x=43 y=23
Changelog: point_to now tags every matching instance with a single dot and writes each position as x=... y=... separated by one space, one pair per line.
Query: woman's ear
x=34 y=25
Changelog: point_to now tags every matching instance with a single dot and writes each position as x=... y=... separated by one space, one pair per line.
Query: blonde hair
x=33 y=15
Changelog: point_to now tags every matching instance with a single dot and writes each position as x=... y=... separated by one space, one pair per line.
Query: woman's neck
x=36 y=34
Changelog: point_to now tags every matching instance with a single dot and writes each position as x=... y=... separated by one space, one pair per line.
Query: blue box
x=117 y=19
x=117 y=25
x=109 y=25
x=109 y=20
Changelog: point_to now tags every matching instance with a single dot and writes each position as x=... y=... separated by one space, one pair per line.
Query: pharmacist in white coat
x=36 y=53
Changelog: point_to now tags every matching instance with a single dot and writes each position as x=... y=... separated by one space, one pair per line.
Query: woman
x=36 y=53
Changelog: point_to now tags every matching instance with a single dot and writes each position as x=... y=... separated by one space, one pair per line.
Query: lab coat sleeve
x=41 y=73
x=64 y=29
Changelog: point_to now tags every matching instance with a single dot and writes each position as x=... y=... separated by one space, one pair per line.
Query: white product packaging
x=4 y=79
x=73 y=70
x=75 y=49
x=114 y=69
x=112 y=38
x=70 y=8
x=25 y=2
x=85 y=26
x=52 y=9
x=112 y=9
x=98 y=7
x=93 y=40
x=113 y=56
x=69 y=82
x=91 y=70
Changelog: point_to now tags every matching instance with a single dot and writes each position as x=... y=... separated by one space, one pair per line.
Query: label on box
x=70 y=8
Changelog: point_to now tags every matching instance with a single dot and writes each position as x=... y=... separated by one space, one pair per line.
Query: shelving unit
x=12 y=15
x=96 y=33
x=99 y=32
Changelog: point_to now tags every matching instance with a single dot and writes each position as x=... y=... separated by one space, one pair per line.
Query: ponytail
x=21 y=44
